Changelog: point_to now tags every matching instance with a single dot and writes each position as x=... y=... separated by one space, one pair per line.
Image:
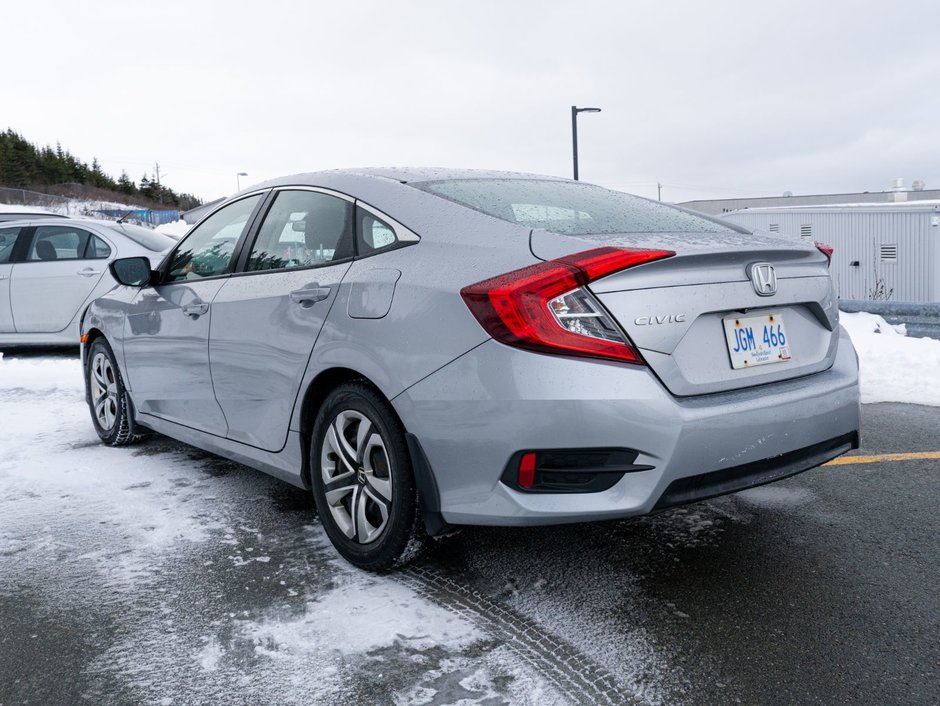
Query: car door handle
x=88 y=272
x=309 y=295
x=196 y=309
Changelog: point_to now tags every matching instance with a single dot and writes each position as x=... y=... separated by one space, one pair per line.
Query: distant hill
x=24 y=165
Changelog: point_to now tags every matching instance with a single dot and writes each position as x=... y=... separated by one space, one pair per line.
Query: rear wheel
x=362 y=480
x=107 y=397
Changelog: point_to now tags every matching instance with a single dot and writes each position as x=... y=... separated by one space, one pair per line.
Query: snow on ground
x=176 y=229
x=182 y=580
x=87 y=207
x=19 y=208
x=893 y=366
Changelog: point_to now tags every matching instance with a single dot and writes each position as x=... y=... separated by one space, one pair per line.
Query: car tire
x=108 y=401
x=362 y=480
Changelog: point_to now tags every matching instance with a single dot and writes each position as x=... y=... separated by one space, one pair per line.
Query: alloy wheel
x=357 y=476
x=103 y=391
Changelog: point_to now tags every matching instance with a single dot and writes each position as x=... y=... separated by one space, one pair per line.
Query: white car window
x=7 y=241
x=52 y=243
x=97 y=249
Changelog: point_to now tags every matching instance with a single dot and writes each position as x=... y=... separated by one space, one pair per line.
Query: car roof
x=28 y=219
x=6 y=215
x=403 y=175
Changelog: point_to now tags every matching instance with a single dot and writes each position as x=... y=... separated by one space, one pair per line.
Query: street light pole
x=238 y=179
x=574 y=133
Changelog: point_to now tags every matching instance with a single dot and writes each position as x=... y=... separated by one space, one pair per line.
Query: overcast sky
x=713 y=99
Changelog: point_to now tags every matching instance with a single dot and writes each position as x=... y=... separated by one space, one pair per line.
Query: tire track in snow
x=573 y=673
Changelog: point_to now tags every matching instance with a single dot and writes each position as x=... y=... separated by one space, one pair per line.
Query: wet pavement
x=159 y=574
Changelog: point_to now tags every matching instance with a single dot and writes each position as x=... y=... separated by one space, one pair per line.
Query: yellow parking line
x=879 y=458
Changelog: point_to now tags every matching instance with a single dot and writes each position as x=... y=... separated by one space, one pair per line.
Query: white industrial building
x=881 y=249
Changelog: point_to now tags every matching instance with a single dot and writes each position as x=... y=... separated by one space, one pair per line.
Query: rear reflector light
x=545 y=308
x=527 y=470
x=825 y=250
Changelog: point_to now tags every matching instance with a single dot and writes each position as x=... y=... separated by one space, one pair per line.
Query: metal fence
x=25 y=197
x=81 y=207
x=142 y=215
x=920 y=319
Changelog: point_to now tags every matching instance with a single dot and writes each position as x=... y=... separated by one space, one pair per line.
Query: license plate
x=757 y=340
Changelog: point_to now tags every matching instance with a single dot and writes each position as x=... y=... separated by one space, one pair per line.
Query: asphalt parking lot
x=159 y=574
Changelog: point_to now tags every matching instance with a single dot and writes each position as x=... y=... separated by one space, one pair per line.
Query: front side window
x=570 y=208
x=7 y=241
x=52 y=243
x=374 y=233
x=208 y=249
x=303 y=229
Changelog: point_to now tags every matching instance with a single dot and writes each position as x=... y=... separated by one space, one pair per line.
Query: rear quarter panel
x=427 y=325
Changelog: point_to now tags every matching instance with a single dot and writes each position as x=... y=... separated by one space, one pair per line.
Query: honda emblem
x=764 y=279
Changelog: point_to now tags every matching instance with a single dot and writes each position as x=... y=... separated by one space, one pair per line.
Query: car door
x=8 y=238
x=62 y=266
x=166 y=344
x=266 y=318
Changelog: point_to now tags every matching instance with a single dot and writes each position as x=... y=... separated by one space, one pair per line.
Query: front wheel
x=107 y=397
x=362 y=480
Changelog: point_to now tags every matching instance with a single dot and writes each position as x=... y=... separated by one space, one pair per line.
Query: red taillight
x=527 y=470
x=825 y=250
x=525 y=307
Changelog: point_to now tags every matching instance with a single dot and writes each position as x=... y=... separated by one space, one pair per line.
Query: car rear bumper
x=474 y=414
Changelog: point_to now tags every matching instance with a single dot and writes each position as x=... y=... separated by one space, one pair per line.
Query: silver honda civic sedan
x=424 y=349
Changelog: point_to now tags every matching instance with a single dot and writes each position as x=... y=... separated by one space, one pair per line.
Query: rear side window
x=208 y=249
x=7 y=241
x=97 y=249
x=150 y=239
x=569 y=207
x=373 y=233
x=51 y=243
x=303 y=229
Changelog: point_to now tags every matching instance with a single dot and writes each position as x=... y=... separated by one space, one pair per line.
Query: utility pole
x=156 y=170
x=659 y=191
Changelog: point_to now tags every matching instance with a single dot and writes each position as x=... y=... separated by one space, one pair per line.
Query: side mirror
x=131 y=271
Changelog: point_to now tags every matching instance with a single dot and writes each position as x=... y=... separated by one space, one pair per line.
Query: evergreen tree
x=24 y=165
x=146 y=187
x=125 y=185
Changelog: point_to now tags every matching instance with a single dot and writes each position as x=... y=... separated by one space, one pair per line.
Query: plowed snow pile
x=894 y=367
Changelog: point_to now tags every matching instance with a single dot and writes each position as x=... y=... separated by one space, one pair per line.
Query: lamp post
x=238 y=179
x=574 y=132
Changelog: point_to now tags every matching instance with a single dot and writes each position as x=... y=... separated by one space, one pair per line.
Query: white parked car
x=51 y=269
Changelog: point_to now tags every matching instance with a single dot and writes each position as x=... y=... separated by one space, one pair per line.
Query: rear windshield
x=568 y=207
x=150 y=239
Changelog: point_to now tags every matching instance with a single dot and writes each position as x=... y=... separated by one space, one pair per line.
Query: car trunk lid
x=674 y=309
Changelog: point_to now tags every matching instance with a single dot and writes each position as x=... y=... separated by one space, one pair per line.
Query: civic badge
x=763 y=278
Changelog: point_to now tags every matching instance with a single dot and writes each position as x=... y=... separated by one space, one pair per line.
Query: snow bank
x=176 y=229
x=894 y=367
x=17 y=208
